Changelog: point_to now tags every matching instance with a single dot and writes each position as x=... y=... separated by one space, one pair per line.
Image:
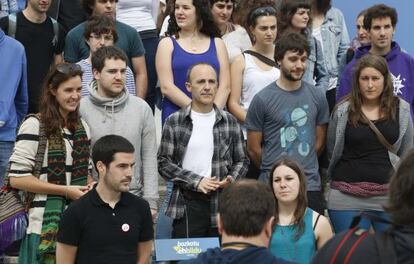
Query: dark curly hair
x=205 y=20
x=287 y=9
x=100 y=24
x=380 y=11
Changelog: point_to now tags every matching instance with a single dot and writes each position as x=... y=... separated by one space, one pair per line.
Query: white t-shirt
x=200 y=148
x=139 y=14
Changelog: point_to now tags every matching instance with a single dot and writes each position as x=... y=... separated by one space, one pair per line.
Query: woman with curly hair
x=192 y=37
x=65 y=163
x=295 y=16
x=299 y=231
x=368 y=133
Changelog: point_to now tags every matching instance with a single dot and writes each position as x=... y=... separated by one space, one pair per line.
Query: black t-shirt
x=364 y=158
x=106 y=235
x=37 y=39
x=69 y=13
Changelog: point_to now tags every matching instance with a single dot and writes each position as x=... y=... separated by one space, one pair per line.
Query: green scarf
x=56 y=171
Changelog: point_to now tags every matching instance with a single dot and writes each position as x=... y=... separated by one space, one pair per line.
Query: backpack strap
x=348 y=245
x=11 y=28
x=55 y=32
x=262 y=58
x=385 y=246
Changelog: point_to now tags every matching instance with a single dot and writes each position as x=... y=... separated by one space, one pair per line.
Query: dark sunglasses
x=262 y=11
x=68 y=68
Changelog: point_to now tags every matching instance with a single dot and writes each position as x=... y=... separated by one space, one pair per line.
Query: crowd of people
x=270 y=90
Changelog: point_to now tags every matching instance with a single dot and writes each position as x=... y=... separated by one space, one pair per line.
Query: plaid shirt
x=229 y=156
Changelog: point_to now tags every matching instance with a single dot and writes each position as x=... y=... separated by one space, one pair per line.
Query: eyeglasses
x=261 y=11
x=105 y=37
x=68 y=68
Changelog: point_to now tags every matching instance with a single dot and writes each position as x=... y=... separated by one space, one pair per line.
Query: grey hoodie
x=128 y=116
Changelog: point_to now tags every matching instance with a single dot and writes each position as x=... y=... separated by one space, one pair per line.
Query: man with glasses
x=128 y=40
x=42 y=39
x=100 y=32
x=110 y=109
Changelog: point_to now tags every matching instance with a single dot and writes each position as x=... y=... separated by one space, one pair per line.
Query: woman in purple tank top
x=193 y=38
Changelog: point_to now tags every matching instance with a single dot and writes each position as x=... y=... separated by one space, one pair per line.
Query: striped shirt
x=87 y=77
x=22 y=163
x=229 y=156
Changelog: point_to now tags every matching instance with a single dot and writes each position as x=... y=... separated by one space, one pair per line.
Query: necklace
x=241 y=245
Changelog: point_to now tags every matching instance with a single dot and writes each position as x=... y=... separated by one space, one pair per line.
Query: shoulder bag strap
x=379 y=135
x=262 y=58
x=40 y=154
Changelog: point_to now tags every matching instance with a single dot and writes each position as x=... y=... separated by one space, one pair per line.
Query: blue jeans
x=6 y=149
x=342 y=219
x=150 y=45
x=163 y=229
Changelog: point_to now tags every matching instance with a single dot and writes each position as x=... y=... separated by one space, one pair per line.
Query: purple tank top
x=181 y=61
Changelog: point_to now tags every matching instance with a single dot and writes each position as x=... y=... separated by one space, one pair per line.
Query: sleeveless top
x=255 y=79
x=181 y=61
x=284 y=246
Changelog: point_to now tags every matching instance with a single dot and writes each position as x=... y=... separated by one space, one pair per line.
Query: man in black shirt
x=35 y=30
x=108 y=224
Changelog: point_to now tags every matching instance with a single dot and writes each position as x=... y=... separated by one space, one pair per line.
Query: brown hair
x=287 y=10
x=240 y=14
x=100 y=24
x=88 y=6
x=388 y=102
x=401 y=192
x=302 y=201
x=49 y=106
x=245 y=207
x=380 y=11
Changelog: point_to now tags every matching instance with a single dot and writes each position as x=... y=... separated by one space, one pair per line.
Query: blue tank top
x=181 y=61
x=284 y=246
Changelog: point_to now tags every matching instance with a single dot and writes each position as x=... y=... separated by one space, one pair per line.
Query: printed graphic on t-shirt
x=294 y=137
x=397 y=82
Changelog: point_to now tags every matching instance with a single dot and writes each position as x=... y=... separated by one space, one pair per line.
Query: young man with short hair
x=43 y=41
x=128 y=40
x=108 y=224
x=109 y=109
x=202 y=151
x=380 y=22
x=245 y=221
x=289 y=117
x=100 y=32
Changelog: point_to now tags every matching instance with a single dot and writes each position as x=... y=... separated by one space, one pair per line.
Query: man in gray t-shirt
x=289 y=117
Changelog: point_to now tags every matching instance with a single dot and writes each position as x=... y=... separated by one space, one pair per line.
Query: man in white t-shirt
x=202 y=151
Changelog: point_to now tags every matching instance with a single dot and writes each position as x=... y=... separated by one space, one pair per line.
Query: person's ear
x=96 y=74
x=188 y=86
x=269 y=226
x=101 y=167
